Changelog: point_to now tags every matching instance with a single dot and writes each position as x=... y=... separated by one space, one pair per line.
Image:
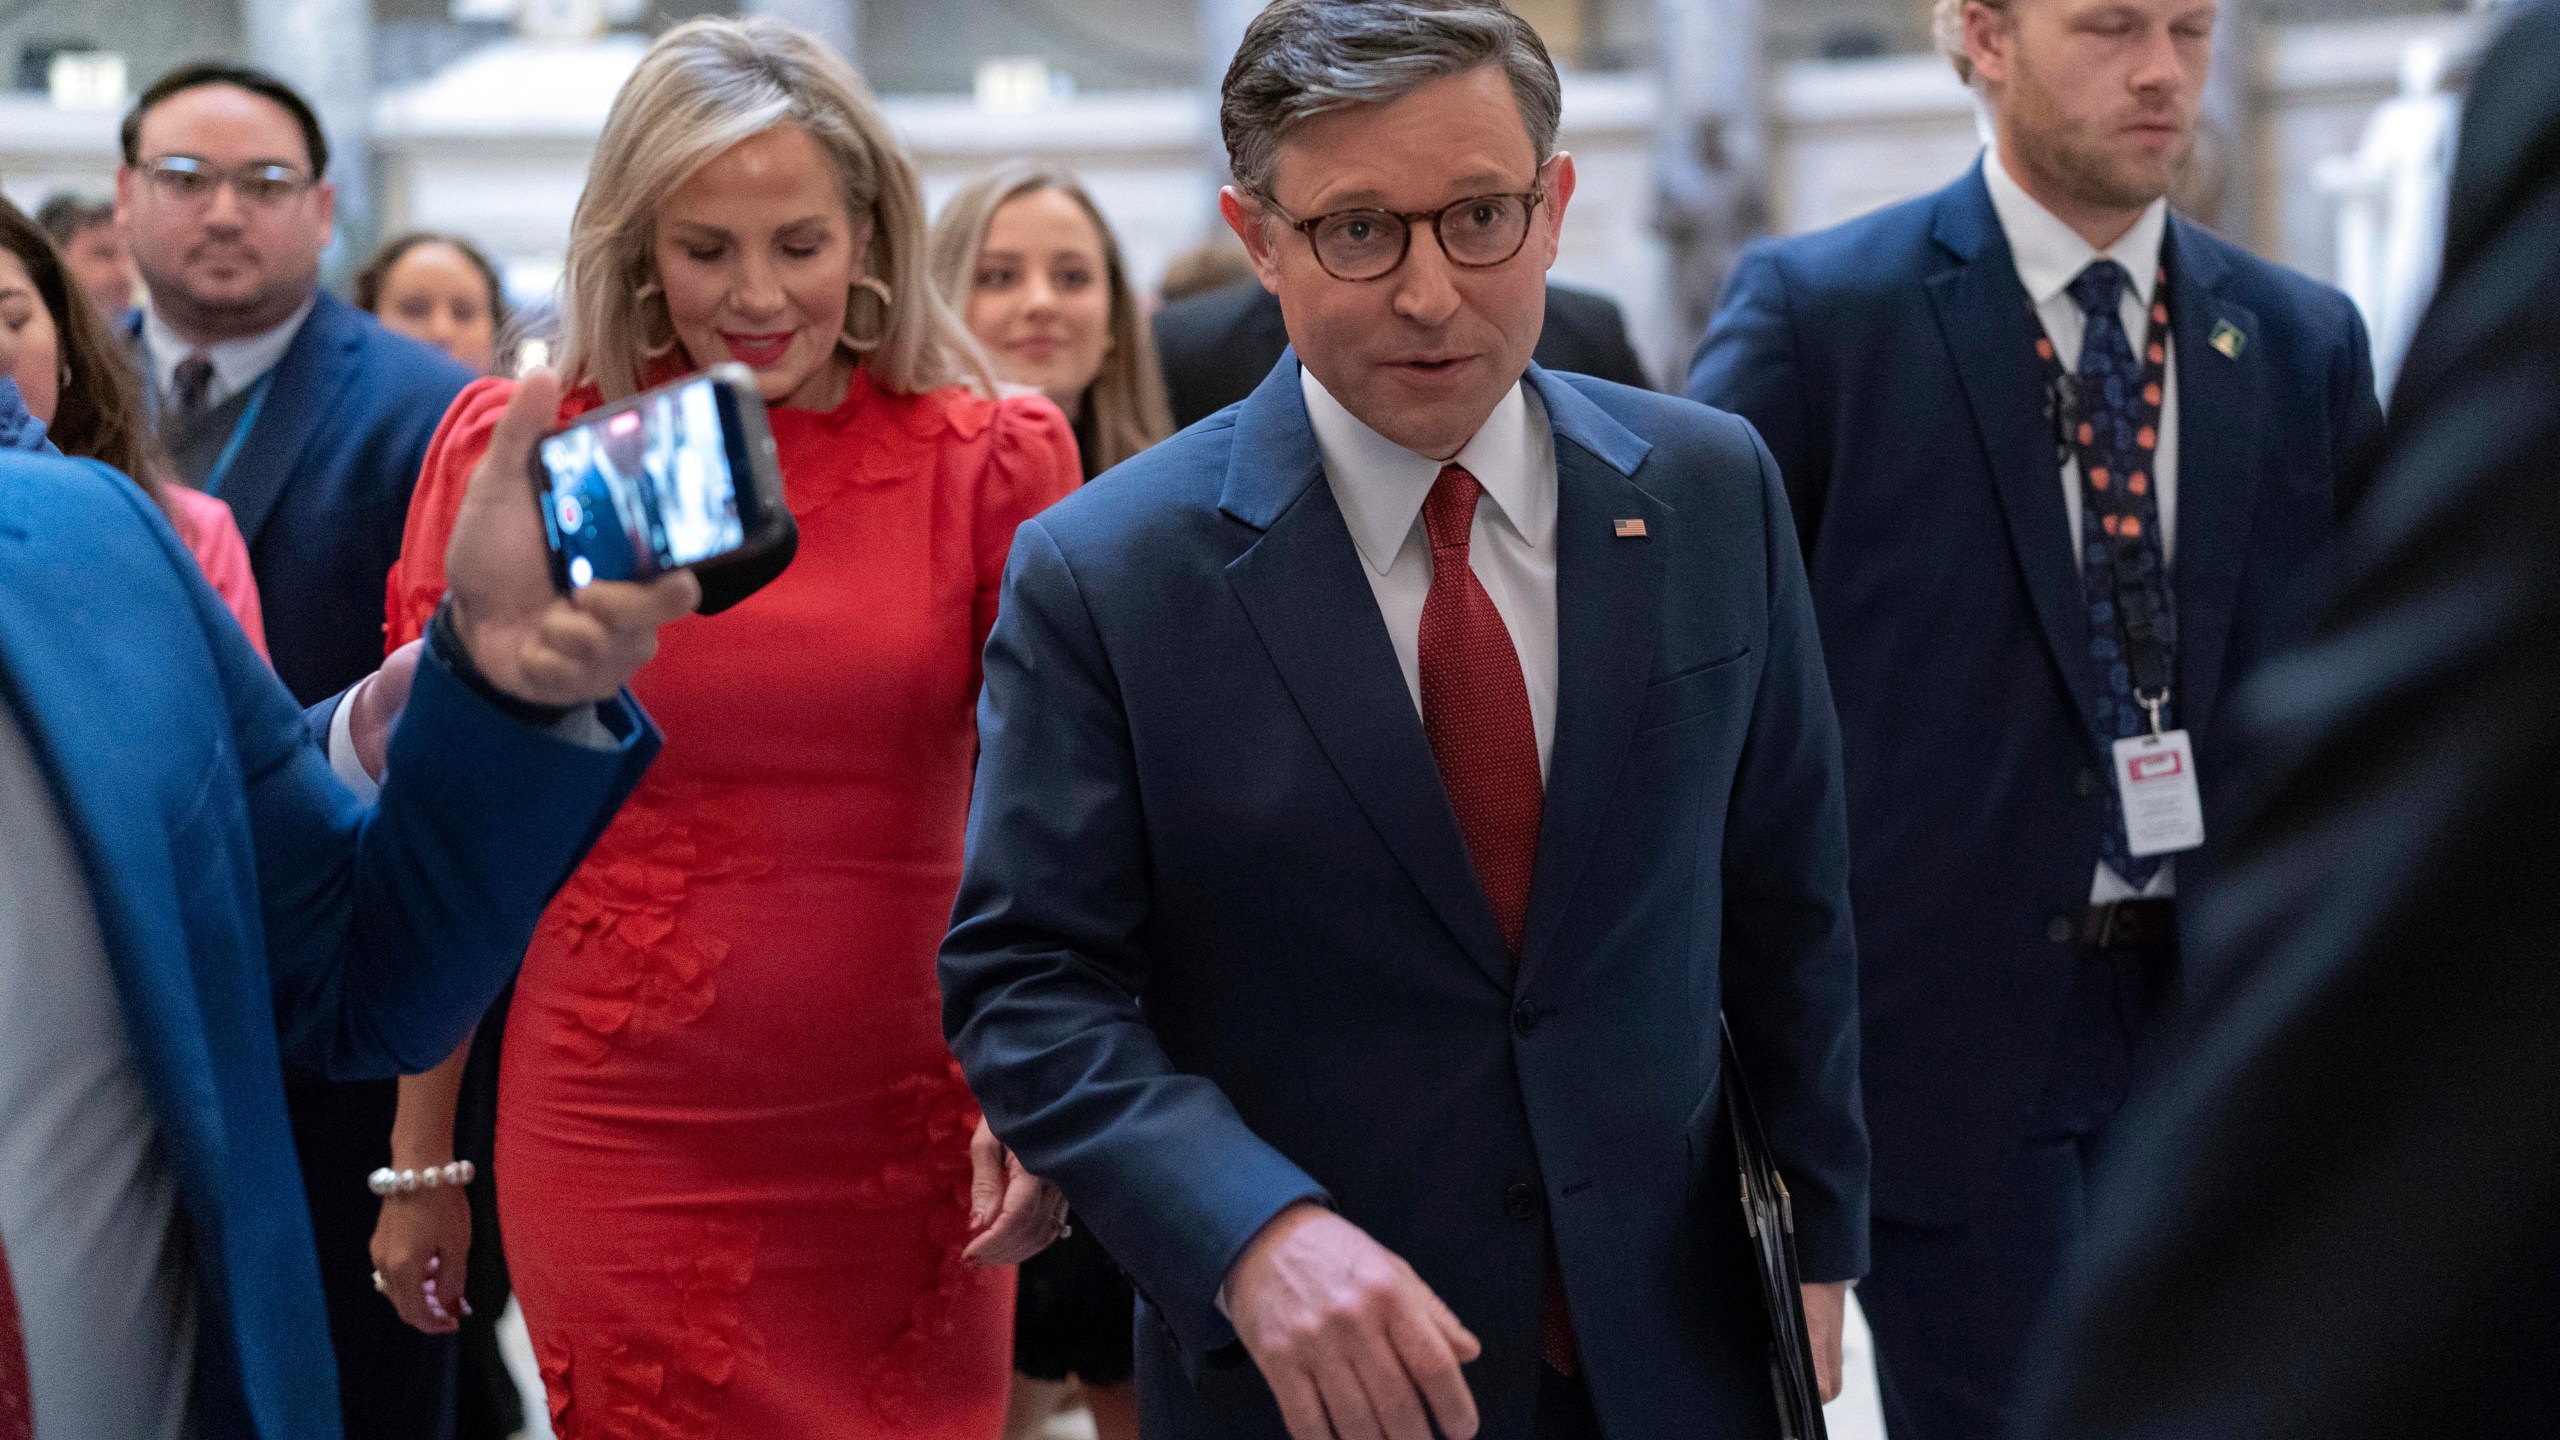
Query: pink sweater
x=223 y=556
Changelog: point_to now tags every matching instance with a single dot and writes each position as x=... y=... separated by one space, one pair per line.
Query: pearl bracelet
x=387 y=1181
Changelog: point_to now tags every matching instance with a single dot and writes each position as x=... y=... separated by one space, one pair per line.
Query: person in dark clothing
x=1217 y=346
x=2338 y=1222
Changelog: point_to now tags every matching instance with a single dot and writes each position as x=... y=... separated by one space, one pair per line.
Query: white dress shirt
x=1380 y=487
x=88 y=1208
x=2050 y=255
x=237 y=364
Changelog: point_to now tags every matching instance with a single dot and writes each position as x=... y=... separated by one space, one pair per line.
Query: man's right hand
x=1354 y=1345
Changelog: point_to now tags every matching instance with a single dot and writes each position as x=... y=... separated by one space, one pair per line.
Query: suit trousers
x=1953 y=1307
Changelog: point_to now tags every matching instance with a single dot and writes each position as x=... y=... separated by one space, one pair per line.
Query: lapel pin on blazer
x=1630 y=529
x=2227 y=338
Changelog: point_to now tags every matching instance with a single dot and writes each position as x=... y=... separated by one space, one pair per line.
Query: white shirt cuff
x=342 y=747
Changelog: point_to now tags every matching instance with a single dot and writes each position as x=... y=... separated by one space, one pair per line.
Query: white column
x=324 y=48
x=1222 y=27
x=2234 y=110
x=1710 y=149
x=838 y=22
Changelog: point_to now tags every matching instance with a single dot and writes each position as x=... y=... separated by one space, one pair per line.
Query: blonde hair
x=1946 y=24
x=1127 y=400
x=704 y=87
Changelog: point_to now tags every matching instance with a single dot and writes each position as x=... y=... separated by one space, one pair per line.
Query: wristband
x=446 y=645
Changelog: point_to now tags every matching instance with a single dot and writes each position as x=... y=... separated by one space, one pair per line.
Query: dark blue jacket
x=1220 y=948
x=253 y=912
x=321 y=486
x=1890 y=364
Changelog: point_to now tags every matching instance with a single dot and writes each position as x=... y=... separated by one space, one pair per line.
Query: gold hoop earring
x=874 y=286
x=654 y=318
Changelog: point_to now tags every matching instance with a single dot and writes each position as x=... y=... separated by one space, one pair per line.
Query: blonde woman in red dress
x=736 y=1157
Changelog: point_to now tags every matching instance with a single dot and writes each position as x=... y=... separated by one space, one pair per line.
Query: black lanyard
x=2144 y=619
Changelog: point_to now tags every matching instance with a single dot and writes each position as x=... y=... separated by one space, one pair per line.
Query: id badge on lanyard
x=2155 y=772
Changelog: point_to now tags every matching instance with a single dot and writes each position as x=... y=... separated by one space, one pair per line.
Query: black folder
x=1770 y=1219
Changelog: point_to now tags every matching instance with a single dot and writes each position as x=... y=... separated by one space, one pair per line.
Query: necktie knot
x=1450 y=512
x=2100 y=288
x=192 y=382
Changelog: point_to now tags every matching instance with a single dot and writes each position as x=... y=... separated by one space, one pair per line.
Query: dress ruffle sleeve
x=417 y=580
x=1031 y=465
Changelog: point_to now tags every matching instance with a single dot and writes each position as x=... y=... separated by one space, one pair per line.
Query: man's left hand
x=528 y=639
x=1823 y=1308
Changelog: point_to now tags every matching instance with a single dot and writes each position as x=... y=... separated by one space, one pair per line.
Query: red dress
x=734 y=1148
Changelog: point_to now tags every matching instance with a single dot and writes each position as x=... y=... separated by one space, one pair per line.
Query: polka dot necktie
x=2119 y=519
x=1475 y=709
x=17 y=1408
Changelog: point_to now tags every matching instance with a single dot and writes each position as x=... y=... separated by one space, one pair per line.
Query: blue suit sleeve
x=390 y=928
x=1790 y=955
x=1750 y=364
x=1047 y=958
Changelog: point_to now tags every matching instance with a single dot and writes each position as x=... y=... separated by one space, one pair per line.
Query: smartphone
x=683 y=475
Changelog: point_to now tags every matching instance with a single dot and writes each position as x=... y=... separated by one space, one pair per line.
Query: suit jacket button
x=1520 y=1200
x=1525 y=1017
x=2059 y=929
x=2086 y=782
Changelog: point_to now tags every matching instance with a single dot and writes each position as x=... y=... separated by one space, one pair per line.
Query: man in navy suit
x=1385 y=785
x=2059 y=461
x=193 y=902
x=312 y=422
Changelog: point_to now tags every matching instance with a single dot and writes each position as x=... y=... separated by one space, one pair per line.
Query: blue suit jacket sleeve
x=1790 y=966
x=1750 y=364
x=1047 y=958
x=390 y=928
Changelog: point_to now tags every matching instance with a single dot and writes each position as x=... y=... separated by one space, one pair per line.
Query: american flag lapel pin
x=1630 y=529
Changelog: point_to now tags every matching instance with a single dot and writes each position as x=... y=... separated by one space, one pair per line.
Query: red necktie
x=1475 y=709
x=17 y=1410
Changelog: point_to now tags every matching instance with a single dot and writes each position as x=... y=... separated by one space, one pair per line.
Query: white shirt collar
x=236 y=363
x=1381 y=485
x=2050 y=254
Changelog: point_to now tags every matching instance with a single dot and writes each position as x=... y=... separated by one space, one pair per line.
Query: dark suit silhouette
x=320 y=482
x=1215 y=348
x=1891 y=364
x=2339 y=1221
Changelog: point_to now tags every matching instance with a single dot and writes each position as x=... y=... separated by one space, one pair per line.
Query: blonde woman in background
x=739 y=1159
x=1023 y=254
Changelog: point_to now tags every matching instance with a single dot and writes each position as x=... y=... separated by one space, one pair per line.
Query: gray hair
x=1304 y=58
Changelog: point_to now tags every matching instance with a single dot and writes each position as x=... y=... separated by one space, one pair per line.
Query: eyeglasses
x=191 y=181
x=1476 y=233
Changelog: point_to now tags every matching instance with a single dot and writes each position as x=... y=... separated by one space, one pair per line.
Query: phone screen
x=646 y=488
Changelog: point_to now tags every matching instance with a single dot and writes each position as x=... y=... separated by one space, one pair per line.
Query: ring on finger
x=380 y=1285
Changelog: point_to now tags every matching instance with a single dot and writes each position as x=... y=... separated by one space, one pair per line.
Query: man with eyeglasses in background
x=1384 y=785
x=311 y=421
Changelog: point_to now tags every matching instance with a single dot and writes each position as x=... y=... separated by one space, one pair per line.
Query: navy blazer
x=321 y=486
x=1219 y=946
x=253 y=912
x=1890 y=363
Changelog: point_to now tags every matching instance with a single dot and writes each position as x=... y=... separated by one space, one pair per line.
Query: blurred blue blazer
x=1220 y=947
x=321 y=485
x=1890 y=364
x=253 y=912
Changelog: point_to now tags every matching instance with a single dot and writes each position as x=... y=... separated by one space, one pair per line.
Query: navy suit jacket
x=1219 y=946
x=1890 y=363
x=253 y=912
x=321 y=486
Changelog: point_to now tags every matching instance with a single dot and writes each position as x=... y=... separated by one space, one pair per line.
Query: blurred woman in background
x=1024 y=255
x=739 y=1157
x=79 y=388
x=441 y=290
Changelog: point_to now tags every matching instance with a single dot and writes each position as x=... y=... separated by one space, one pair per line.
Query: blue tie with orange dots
x=2114 y=429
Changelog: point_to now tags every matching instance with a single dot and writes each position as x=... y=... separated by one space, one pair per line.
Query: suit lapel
x=2218 y=410
x=1608 y=603
x=302 y=389
x=1302 y=587
x=1990 y=330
